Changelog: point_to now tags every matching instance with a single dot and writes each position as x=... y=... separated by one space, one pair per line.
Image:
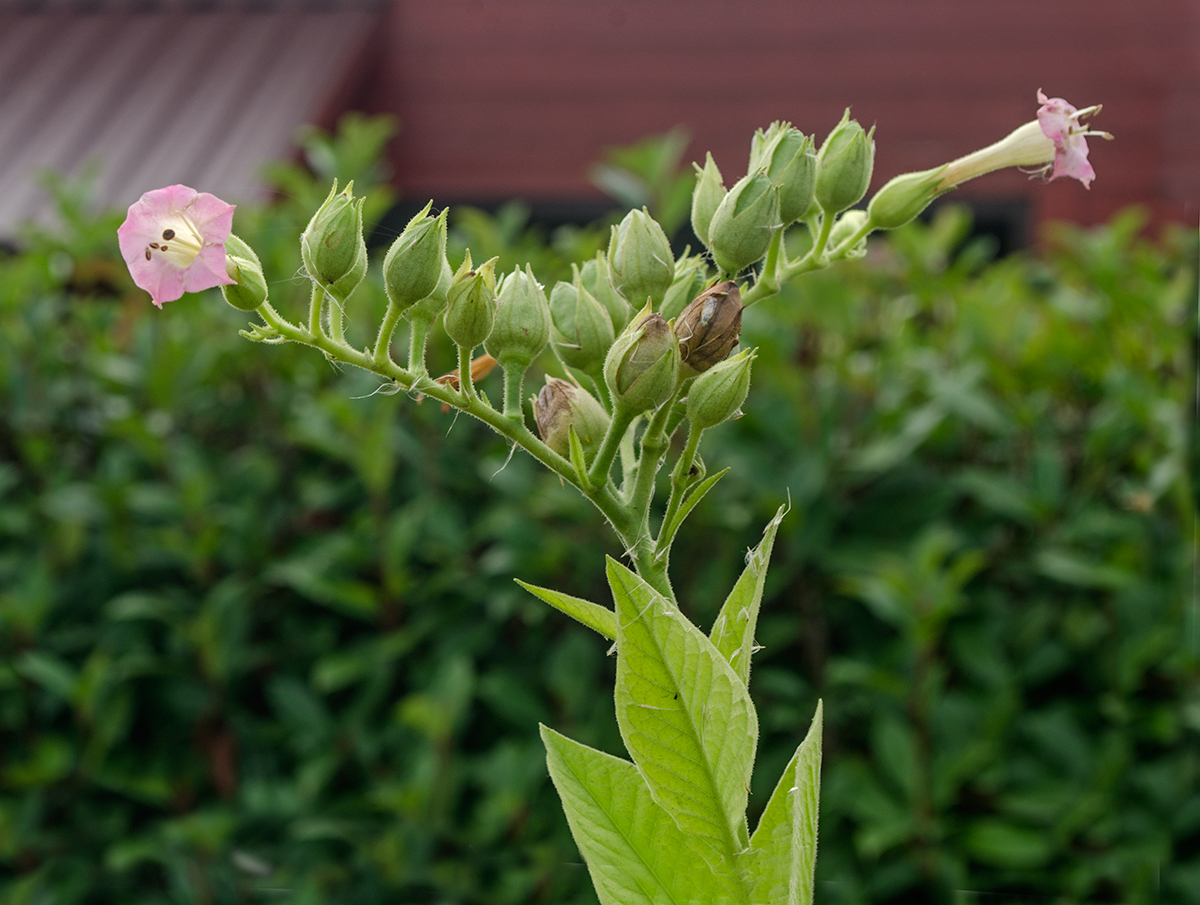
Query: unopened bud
x=583 y=331
x=433 y=304
x=242 y=265
x=744 y=222
x=597 y=278
x=522 y=326
x=642 y=367
x=332 y=244
x=848 y=224
x=471 y=303
x=902 y=198
x=787 y=157
x=562 y=405
x=640 y=259
x=690 y=277
x=416 y=262
x=844 y=166
x=709 y=328
x=718 y=393
x=706 y=197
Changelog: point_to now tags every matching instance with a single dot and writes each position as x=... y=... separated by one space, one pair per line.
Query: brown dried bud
x=708 y=328
x=562 y=405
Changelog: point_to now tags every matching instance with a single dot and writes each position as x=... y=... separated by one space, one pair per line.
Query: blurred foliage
x=649 y=174
x=259 y=639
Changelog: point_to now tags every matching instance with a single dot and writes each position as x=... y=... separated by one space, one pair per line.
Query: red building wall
x=502 y=98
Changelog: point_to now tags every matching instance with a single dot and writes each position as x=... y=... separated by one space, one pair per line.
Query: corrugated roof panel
x=205 y=99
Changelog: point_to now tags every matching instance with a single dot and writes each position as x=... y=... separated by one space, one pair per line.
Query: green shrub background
x=259 y=639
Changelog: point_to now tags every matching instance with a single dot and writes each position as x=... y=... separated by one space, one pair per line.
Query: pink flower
x=1055 y=142
x=174 y=242
x=1061 y=124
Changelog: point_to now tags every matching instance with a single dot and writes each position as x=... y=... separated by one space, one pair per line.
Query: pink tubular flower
x=1061 y=124
x=174 y=242
x=1055 y=142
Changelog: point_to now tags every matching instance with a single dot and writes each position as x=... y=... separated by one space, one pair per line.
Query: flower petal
x=207 y=271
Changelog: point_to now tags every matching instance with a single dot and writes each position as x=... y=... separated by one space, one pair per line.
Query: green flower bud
x=742 y=225
x=562 y=405
x=583 y=331
x=844 y=166
x=642 y=367
x=522 y=326
x=847 y=225
x=709 y=328
x=416 y=262
x=690 y=277
x=242 y=264
x=597 y=277
x=787 y=157
x=718 y=393
x=332 y=243
x=640 y=259
x=706 y=197
x=433 y=304
x=901 y=199
x=471 y=303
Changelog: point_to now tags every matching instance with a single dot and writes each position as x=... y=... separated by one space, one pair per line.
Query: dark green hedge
x=259 y=640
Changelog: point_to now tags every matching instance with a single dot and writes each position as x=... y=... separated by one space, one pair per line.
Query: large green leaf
x=684 y=714
x=779 y=865
x=733 y=631
x=634 y=851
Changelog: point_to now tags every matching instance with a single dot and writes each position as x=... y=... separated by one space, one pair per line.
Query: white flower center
x=180 y=242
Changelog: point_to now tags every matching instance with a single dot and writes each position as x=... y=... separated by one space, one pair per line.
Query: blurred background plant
x=259 y=639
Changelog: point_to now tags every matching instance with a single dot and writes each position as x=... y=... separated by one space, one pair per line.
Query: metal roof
x=158 y=93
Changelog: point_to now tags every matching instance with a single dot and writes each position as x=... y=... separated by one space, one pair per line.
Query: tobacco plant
x=641 y=368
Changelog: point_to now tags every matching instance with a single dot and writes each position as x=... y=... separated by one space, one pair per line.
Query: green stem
x=465 y=382
x=768 y=280
x=514 y=379
x=314 y=310
x=598 y=473
x=416 y=346
x=846 y=245
x=336 y=330
x=679 y=485
x=384 y=341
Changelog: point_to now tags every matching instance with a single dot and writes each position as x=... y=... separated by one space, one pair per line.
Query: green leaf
x=694 y=496
x=53 y=674
x=733 y=631
x=578 y=462
x=634 y=851
x=594 y=616
x=779 y=865
x=684 y=715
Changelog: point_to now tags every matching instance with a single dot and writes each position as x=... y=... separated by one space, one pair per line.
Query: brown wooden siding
x=518 y=97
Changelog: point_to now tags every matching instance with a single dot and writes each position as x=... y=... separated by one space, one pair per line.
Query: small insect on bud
x=332 y=245
x=249 y=289
x=562 y=405
x=709 y=328
x=642 y=367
